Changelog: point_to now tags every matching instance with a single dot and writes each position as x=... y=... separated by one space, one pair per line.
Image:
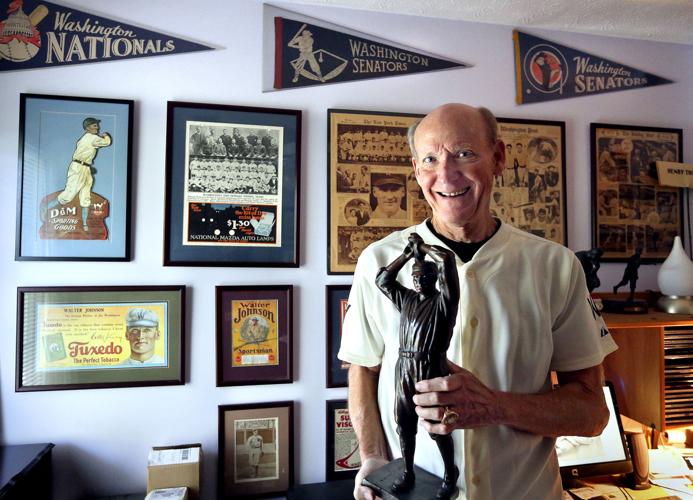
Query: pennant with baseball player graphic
x=312 y=52
x=37 y=34
x=546 y=71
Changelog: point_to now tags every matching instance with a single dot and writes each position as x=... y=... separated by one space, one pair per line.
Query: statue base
x=425 y=487
x=624 y=306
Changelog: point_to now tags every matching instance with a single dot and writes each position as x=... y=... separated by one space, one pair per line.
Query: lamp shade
x=676 y=273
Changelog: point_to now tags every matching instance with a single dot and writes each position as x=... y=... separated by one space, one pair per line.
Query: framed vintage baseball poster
x=256 y=449
x=73 y=200
x=254 y=335
x=531 y=193
x=96 y=337
x=371 y=188
x=631 y=210
x=336 y=303
x=342 y=452
x=232 y=186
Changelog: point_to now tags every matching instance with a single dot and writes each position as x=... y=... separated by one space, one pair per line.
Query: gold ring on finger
x=450 y=416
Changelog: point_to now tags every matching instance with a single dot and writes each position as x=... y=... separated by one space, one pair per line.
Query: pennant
x=312 y=52
x=545 y=71
x=37 y=34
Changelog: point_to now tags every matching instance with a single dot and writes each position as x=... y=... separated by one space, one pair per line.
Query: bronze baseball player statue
x=427 y=320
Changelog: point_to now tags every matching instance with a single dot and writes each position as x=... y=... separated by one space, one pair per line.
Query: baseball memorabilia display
x=631 y=210
x=342 y=457
x=74 y=178
x=546 y=71
x=255 y=449
x=531 y=193
x=95 y=337
x=371 y=188
x=336 y=304
x=232 y=186
x=254 y=335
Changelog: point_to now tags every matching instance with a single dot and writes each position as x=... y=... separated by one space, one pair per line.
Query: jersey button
x=474 y=322
x=471 y=275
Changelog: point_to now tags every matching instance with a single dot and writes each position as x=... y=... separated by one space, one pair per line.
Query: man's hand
x=369 y=465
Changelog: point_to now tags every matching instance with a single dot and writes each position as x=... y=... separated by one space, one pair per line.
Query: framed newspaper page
x=254 y=335
x=371 y=187
x=96 y=337
x=75 y=156
x=342 y=452
x=232 y=186
x=336 y=303
x=631 y=210
x=256 y=449
x=531 y=193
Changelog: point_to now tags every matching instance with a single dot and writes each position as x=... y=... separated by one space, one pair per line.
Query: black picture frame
x=232 y=186
x=336 y=297
x=342 y=459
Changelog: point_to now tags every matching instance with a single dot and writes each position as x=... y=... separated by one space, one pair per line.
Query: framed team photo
x=630 y=210
x=232 y=186
x=254 y=335
x=336 y=303
x=531 y=192
x=255 y=449
x=342 y=452
x=97 y=337
x=75 y=156
x=371 y=188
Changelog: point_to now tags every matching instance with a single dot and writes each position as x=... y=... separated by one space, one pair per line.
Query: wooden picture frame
x=97 y=337
x=254 y=335
x=368 y=155
x=342 y=459
x=252 y=467
x=629 y=209
x=74 y=176
x=336 y=298
x=531 y=193
x=232 y=186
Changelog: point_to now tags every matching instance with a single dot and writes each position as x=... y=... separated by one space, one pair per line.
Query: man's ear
x=498 y=157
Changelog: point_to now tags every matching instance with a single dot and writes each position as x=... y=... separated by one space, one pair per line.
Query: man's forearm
x=364 y=412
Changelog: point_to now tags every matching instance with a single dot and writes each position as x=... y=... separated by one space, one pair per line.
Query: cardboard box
x=174 y=466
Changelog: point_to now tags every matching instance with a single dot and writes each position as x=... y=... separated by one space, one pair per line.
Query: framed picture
x=371 y=188
x=73 y=199
x=630 y=209
x=336 y=300
x=96 y=337
x=342 y=452
x=254 y=335
x=531 y=193
x=256 y=449
x=232 y=186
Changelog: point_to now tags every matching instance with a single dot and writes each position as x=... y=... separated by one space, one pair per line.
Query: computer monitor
x=605 y=454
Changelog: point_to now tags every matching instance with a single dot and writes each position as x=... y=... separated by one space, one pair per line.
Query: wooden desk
x=25 y=472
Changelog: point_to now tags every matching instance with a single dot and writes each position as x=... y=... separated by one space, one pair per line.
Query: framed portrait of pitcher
x=232 y=186
x=254 y=335
x=74 y=175
x=336 y=305
x=98 y=337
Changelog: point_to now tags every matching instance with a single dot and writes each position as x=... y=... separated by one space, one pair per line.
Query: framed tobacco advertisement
x=232 y=186
x=531 y=193
x=94 y=337
x=336 y=303
x=254 y=334
x=74 y=178
x=342 y=452
x=630 y=209
x=371 y=188
x=255 y=449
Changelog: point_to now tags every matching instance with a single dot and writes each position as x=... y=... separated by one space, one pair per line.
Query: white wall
x=103 y=436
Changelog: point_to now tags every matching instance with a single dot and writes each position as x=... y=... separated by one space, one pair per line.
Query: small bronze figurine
x=590 y=260
x=427 y=320
x=630 y=276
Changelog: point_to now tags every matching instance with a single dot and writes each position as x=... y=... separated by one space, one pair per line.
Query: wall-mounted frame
x=256 y=456
x=254 y=334
x=342 y=452
x=336 y=299
x=630 y=209
x=232 y=186
x=531 y=193
x=371 y=187
x=96 y=337
x=73 y=200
